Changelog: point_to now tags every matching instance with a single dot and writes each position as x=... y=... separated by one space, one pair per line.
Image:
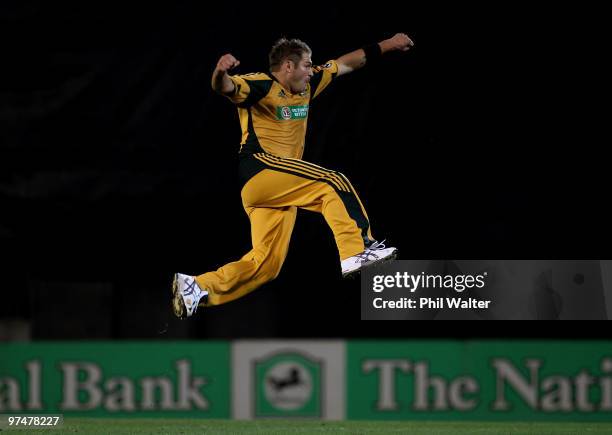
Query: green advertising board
x=479 y=380
x=312 y=379
x=103 y=378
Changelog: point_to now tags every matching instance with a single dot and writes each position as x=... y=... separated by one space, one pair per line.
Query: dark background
x=118 y=163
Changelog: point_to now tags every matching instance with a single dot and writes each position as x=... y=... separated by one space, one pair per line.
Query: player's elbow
x=222 y=84
x=222 y=89
x=344 y=69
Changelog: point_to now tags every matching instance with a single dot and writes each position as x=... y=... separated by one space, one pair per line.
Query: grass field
x=182 y=426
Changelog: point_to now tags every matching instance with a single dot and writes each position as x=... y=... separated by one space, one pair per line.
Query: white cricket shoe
x=375 y=254
x=186 y=295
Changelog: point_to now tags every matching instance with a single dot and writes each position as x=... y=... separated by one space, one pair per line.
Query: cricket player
x=273 y=111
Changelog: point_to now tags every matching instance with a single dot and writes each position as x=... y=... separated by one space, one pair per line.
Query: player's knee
x=271 y=271
x=276 y=272
x=266 y=276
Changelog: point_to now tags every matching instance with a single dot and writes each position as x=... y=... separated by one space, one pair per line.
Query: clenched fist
x=227 y=62
x=399 y=41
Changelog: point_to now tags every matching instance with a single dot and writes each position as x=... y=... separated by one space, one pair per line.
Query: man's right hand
x=227 y=62
x=221 y=82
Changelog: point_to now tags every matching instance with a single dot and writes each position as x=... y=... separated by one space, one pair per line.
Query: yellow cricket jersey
x=271 y=118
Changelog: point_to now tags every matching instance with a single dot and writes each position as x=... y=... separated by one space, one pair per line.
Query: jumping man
x=273 y=110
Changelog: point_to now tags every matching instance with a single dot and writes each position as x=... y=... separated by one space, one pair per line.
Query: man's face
x=300 y=74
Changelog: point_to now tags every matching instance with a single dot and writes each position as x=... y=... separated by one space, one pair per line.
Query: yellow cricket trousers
x=275 y=188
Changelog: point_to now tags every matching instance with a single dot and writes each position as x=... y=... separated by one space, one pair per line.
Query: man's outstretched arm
x=358 y=58
x=221 y=82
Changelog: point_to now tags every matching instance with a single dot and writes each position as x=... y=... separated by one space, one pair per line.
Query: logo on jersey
x=291 y=112
x=282 y=94
x=285 y=112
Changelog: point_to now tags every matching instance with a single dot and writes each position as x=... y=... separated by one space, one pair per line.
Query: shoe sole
x=178 y=306
x=354 y=273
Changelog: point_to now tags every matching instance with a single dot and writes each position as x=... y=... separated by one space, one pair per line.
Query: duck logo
x=288 y=384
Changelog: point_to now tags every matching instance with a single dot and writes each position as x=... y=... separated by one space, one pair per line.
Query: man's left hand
x=399 y=41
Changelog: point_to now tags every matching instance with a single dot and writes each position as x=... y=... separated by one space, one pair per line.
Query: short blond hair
x=292 y=49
